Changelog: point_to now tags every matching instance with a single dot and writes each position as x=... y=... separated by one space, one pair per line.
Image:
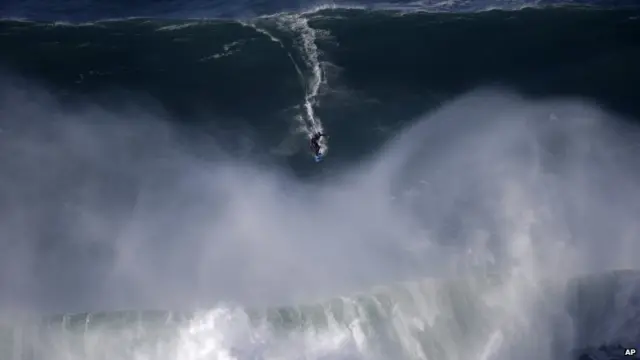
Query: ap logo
x=630 y=352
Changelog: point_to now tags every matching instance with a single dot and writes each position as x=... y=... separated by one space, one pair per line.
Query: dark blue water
x=378 y=68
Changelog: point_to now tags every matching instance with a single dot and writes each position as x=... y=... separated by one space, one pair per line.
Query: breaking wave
x=490 y=186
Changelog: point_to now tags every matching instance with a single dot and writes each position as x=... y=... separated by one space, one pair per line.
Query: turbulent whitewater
x=480 y=201
x=415 y=320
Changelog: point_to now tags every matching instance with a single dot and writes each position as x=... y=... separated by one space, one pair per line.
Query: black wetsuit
x=315 y=143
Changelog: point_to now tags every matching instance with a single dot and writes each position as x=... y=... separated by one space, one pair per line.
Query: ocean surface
x=479 y=198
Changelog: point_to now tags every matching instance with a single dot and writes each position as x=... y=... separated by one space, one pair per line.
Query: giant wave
x=154 y=164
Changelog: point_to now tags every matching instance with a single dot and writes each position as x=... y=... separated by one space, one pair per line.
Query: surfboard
x=321 y=155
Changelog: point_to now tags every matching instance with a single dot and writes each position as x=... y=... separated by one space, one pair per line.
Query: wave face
x=483 y=167
x=330 y=65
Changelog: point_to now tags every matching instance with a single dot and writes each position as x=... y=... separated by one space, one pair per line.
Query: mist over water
x=105 y=210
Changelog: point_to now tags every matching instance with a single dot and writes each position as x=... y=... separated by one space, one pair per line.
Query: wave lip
x=78 y=11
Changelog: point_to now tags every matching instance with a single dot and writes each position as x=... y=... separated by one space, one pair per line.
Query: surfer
x=315 y=143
